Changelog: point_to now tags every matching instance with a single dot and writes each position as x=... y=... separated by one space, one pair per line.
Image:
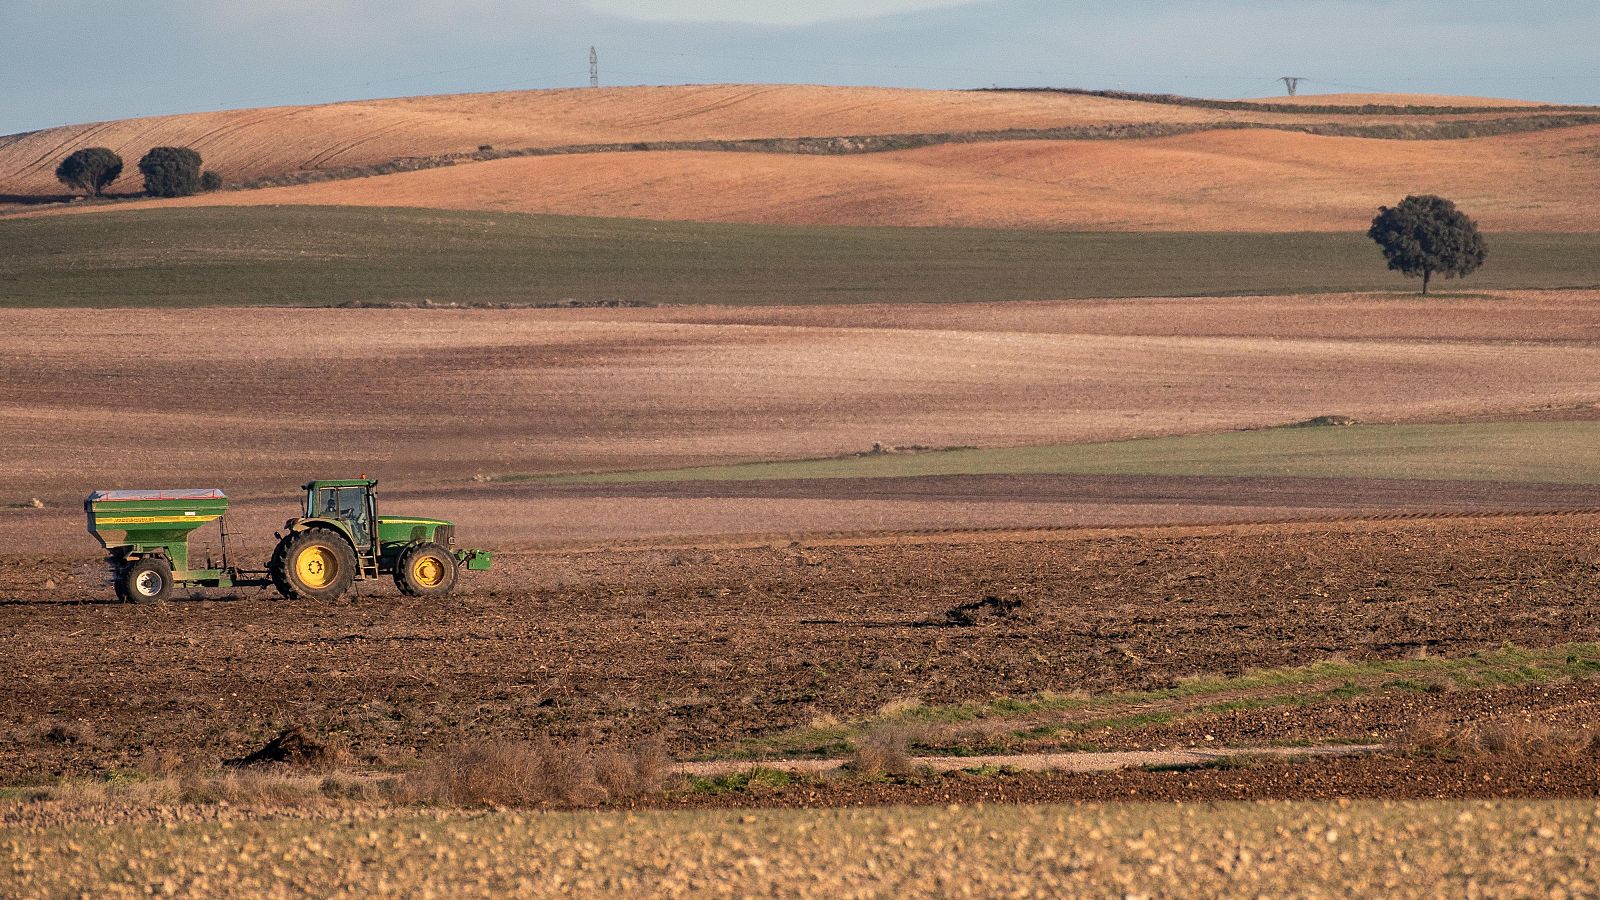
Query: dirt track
x=705 y=647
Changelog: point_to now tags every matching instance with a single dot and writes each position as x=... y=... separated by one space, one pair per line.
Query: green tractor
x=338 y=540
x=341 y=539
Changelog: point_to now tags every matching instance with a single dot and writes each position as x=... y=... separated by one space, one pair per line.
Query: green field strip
x=310 y=255
x=1055 y=715
x=1549 y=452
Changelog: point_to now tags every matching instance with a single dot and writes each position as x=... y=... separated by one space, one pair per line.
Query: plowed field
x=1215 y=181
x=706 y=647
x=258 y=400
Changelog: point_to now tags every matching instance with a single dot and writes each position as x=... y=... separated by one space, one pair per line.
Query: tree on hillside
x=170 y=171
x=91 y=170
x=210 y=180
x=1426 y=235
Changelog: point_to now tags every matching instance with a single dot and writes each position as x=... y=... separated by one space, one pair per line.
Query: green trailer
x=338 y=539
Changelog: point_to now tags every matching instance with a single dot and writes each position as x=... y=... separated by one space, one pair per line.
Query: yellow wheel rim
x=316 y=566
x=428 y=572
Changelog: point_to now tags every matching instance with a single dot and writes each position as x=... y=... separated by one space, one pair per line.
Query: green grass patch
x=310 y=255
x=1556 y=452
x=755 y=780
x=1198 y=697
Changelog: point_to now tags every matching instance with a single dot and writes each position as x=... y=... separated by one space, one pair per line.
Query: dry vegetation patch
x=1506 y=737
x=1400 y=850
x=536 y=774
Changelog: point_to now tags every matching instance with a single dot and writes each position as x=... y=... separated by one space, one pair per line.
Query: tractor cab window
x=349 y=505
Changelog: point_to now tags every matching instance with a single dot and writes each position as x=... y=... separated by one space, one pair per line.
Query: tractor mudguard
x=323 y=522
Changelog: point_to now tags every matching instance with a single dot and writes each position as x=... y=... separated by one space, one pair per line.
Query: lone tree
x=170 y=171
x=1427 y=235
x=91 y=170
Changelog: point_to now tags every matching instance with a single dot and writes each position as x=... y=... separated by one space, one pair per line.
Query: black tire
x=425 y=570
x=147 y=580
x=324 y=575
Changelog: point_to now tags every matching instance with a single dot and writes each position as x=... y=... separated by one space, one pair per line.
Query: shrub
x=882 y=751
x=91 y=170
x=210 y=180
x=1435 y=736
x=535 y=774
x=170 y=171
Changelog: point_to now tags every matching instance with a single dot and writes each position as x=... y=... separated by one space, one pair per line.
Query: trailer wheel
x=315 y=564
x=148 y=580
x=425 y=570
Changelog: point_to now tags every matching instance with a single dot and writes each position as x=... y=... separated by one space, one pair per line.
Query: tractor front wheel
x=425 y=570
x=316 y=564
x=147 y=580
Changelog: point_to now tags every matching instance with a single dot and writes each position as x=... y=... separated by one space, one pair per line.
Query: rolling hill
x=977 y=157
x=1209 y=181
x=254 y=143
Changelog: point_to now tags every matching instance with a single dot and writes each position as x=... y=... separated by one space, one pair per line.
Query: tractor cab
x=350 y=503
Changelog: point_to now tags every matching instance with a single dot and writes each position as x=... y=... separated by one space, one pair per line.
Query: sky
x=69 y=61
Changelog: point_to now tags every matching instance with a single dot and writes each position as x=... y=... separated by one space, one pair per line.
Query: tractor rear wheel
x=315 y=564
x=147 y=580
x=425 y=570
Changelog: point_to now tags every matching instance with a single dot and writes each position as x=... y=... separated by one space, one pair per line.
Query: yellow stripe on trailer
x=151 y=520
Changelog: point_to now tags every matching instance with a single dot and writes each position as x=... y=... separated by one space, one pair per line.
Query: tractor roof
x=339 y=482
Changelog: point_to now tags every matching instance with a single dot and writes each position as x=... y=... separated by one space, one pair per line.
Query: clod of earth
x=292 y=746
x=988 y=611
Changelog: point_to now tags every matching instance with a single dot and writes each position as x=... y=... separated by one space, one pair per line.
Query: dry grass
x=1378 y=849
x=1512 y=737
x=535 y=774
x=885 y=750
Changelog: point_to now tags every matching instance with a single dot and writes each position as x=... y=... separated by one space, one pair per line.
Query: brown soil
x=734 y=514
x=585 y=390
x=1248 y=180
x=705 y=647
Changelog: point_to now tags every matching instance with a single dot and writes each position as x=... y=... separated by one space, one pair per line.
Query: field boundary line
x=1110 y=761
x=955 y=534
